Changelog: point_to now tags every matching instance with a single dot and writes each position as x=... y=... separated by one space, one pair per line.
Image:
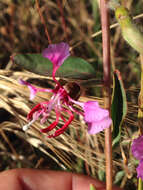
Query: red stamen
x=36 y=108
x=63 y=118
x=64 y=127
x=52 y=126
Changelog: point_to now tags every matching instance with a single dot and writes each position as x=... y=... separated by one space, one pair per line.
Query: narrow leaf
x=119 y=176
x=119 y=106
x=73 y=67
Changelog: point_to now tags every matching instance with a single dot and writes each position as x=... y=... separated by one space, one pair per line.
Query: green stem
x=140 y=184
x=140 y=101
x=140 y=114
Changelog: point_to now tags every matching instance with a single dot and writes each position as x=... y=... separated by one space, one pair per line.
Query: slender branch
x=63 y=19
x=43 y=21
x=107 y=97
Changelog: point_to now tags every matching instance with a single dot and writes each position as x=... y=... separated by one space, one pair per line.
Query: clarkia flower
x=97 y=118
x=137 y=148
x=137 y=151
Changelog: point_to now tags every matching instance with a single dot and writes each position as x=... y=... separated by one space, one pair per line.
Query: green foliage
x=73 y=67
x=130 y=31
x=119 y=176
x=119 y=106
x=101 y=174
x=92 y=187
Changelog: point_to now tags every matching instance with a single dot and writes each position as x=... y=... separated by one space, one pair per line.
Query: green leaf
x=92 y=187
x=101 y=173
x=119 y=106
x=73 y=67
x=119 y=176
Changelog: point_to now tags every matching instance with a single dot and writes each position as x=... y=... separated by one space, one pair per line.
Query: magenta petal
x=140 y=170
x=57 y=53
x=137 y=148
x=93 y=113
x=96 y=127
x=97 y=118
x=33 y=90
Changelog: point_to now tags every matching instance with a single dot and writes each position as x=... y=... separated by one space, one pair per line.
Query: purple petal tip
x=137 y=149
x=57 y=53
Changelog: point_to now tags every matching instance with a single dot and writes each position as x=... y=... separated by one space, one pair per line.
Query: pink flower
x=137 y=148
x=97 y=118
x=57 y=53
x=33 y=89
x=137 y=151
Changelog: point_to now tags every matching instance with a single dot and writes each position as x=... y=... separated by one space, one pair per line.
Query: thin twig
x=63 y=19
x=107 y=98
x=43 y=22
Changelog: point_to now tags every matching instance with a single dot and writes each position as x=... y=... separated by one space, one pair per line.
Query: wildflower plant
x=96 y=117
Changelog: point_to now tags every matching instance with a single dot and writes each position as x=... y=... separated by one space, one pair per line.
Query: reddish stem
x=54 y=78
x=43 y=22
x=107 y=98
x=63 y=19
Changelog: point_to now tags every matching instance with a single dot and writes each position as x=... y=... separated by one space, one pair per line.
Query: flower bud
x=130 y=31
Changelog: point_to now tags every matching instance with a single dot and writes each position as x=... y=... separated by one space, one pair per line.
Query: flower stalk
x=43 y=21
x=140 y=113
x=140 y=99
x=106 y=89
x=140 y=184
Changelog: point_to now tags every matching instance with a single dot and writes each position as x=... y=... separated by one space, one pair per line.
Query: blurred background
x=76 y=22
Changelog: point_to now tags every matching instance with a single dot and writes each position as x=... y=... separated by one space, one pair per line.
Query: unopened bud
x=130 y=31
